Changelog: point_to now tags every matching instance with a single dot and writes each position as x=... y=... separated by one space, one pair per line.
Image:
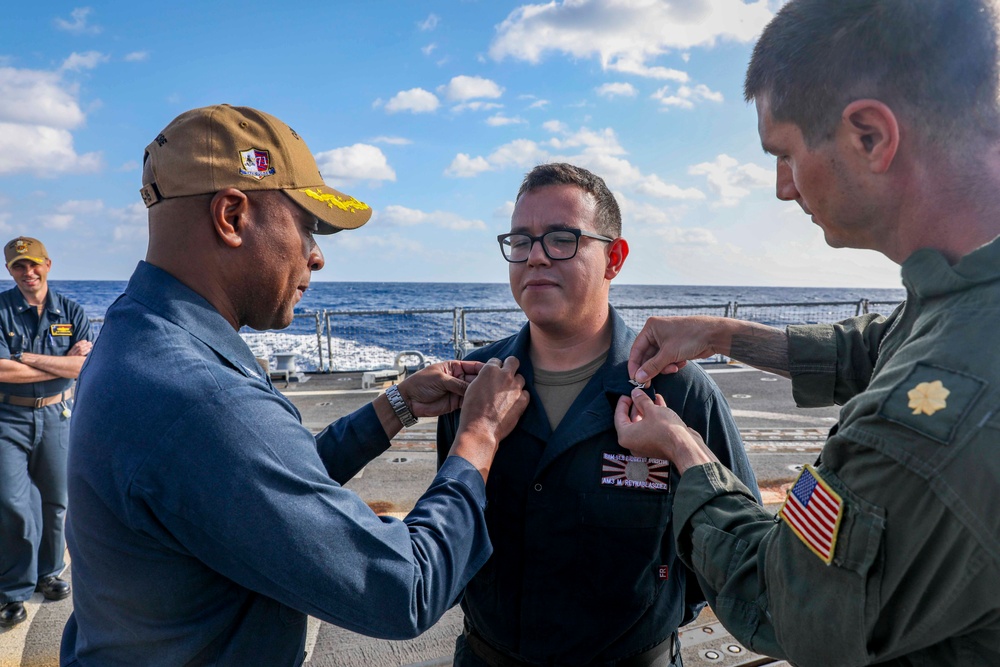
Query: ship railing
x=331 y=341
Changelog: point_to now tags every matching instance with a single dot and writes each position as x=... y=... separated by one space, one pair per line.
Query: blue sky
x=430 y=111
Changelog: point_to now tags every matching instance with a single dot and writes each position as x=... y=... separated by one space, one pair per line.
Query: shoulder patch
x=932 y=401
x=813 y=510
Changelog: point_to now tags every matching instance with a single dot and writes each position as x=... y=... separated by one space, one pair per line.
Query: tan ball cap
x=206 y=150
x=25 y=247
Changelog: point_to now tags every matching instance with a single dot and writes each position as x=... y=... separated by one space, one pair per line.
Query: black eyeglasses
x=557 y=244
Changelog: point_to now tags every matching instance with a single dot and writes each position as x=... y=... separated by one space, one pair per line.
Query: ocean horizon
x=97 y=295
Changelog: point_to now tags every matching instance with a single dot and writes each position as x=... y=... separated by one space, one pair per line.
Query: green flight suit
x=914 y=577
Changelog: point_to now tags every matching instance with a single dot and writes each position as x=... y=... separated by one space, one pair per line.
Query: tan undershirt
x=558 y=389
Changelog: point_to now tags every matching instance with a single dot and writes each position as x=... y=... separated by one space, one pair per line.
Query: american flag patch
x=813 y=510
x=635 y=472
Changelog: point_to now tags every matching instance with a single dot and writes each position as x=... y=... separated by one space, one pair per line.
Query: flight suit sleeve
x=891 y=588
x=707 y=412
x=832 y=363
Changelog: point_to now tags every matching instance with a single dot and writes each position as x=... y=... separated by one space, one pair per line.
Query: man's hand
x=439 y=388
x=665 y=345
x=652 y=429
x=81 y=349
x=493 y=403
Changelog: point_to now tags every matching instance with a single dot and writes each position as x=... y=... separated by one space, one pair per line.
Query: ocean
x=367 y=341
x=96 y=295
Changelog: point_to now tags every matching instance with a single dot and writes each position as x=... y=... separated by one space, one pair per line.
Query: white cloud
x=59 y=221
x=129 y=165
x=414 y=100
x=429 y=23
x=465 y=167
x=392 y=141
x=82 y=61
x=626 y=36
x=462 y=88
x=81 y=207
x=429 y=49
x=408 y=217
x=504 y=211
x=45 y=151
x=603 y=142
x=686 y=96
x=476 y=105
x=78 y=23
x=538 y=104
x=136 y=56
x=37 y=111
x=520 y=153
x=610 y=90
x=67 y=213
x=360 y=162
x=598 y=151
x=38 y=98
x=731 y=180
x=133 y=226
x=695 y=236
x=498 y=120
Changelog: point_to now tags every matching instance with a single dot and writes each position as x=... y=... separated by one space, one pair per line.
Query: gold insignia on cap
x=21 y=246
x=349 y=204
x=928 y=397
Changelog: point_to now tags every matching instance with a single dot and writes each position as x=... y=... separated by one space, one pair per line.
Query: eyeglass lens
x=556 y=244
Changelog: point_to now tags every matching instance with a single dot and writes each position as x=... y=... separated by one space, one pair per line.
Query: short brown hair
x=934 y=62
x=607 y=217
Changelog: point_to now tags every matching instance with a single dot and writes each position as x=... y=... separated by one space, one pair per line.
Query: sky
x=431 y=111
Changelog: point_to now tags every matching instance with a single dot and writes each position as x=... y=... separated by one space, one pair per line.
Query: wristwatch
x=16 y=356
x=399 y=407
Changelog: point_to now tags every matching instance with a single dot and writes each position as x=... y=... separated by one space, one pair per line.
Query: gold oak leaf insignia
x=928 y=397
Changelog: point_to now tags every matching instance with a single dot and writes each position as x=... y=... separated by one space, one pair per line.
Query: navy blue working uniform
x=33 y=443
x=208 y=522
x=584 y=569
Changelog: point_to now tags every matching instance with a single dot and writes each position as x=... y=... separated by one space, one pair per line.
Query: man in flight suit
x=44 y=342
x=584 y=570
x=884 y=117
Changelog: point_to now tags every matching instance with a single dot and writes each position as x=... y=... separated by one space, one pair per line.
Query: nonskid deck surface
x=779 y=438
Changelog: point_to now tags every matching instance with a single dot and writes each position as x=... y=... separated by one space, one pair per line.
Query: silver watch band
x=399 y=406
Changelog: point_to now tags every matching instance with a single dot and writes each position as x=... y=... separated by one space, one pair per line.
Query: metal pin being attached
x=636 y=383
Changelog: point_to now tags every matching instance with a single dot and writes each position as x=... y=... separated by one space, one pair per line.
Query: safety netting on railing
x=363 y=340
x=371 y=339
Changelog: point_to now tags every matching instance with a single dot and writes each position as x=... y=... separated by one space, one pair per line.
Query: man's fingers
x=511 y=364
x=622 y=412
x=659 y=401
x=454 y=385
x=642 y=401
x=494 y=362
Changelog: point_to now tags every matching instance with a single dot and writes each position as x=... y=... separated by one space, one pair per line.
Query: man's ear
x=873 y=133
x=229 y=209
x=617 y=252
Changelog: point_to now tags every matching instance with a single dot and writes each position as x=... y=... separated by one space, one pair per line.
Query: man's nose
x=536 y=254
x=785 y=189
x=316 y=259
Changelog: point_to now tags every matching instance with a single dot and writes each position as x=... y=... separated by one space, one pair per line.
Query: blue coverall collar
x=175 y=302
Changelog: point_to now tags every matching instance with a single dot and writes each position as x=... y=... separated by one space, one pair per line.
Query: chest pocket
x=624 y=540
x=57 y=337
